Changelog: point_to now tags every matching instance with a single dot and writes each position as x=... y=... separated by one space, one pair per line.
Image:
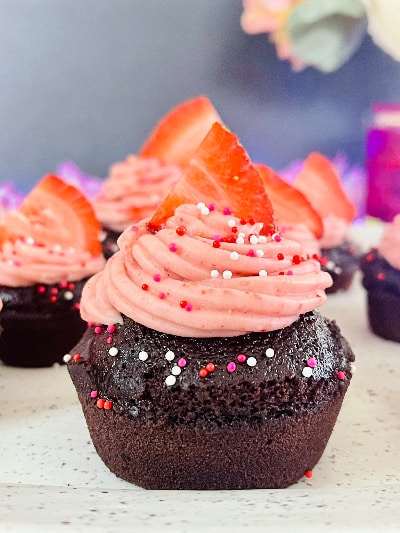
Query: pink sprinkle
x=217 y=238
x=289 y=273
x=53 y=290
x=157 y=277
x=277 y=237
x=251 y=253
x=77 y=306
x=134 y=228
x=90 y=324
x=241 y=358
x=211 y=207
x=16 y=263
x=231 y=367
x=161 y=295
x=93 y=394
x=312 y=362
x=173 y=247
x=63 y=284
x=111 y=328
x=109 y=340
x=98 y=330
x=227 y=211
x=188 y=307
x=41 y=289
x=341 y=375
x=182 y=362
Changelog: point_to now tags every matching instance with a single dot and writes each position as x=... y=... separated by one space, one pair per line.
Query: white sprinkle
x=337 y=270
x=205 y=211
x=260 y=253
x=353 y=368
x=200 y=205
x=68 y=295
x=307 y=371
x=113 y=351
x=231 y=222
x=143 y=356
x=170 y=380
x=241 y=235
x=240 y=240
x=57 y=248
x=169 y=355
x=253 y=239
x=251 y=361
x=102 y=236
x=263 y=273
x=262 y=239
x=330 y=265
x=214 y=273
x=227 y=274
x=67 y=358
x=234 y=256
x=29 y=240
x=269 y=352
x=176 y=370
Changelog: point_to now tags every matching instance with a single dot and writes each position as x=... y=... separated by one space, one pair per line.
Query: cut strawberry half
x=319 y=181
x=55 y=213
x=220 y=173
x=178 y=134
x=291 y=207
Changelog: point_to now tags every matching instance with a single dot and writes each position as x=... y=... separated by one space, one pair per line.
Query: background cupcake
x=48 y=248
x=381 y=278
x=208 y=366
x=137 y=185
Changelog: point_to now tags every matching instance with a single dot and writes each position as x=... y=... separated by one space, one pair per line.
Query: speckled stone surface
x=51 y=478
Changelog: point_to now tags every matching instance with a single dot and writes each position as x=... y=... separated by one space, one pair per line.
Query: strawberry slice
x=55 y=213
x=319 y=181
x=290 y=205
x=220 y=173
x=178 y=134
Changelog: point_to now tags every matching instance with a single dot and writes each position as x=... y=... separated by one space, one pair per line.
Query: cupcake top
x=133 y=190
x=389 y=246
x=206 y=269
x=52 y=237
x=136 y=186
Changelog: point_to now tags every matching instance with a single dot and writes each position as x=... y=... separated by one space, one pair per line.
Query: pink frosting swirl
x=198 y=284
x=300 y=233
x=24 y=263
x=335 y=231
x=389 y=246
x=133 y=191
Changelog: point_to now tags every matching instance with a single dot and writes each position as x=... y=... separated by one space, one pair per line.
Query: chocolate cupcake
x=341 y=262
x=208 y=366
x=49 y=247
x=381 y=279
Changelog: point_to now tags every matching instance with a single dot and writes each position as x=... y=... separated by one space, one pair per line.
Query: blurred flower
x=10 y=198
x=323 y=34
x=70 y=172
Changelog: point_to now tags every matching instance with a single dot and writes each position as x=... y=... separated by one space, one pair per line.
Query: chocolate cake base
x=341 y=262
x=41 y=323
x=252 y=411
x=274 y=453
x=384 y=314
x=109 y=242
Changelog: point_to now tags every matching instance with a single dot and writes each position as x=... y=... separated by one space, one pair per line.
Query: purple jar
x=383 y=162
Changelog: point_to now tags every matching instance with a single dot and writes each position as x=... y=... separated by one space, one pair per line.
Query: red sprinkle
x=100 y=403
x=296 y=259
x=183 y=304
x=252 y=221
x=280 y=257
x=216 y=244
x=180 y=230
x=210 y=367
x=203 y=373
x=308 y=474
x=145 y=287
x=108 y=405
x=77 y=357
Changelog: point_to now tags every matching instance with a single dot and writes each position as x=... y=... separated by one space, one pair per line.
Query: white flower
x=384 y=24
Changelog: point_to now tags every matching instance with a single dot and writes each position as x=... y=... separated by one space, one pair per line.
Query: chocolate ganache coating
x=278 y=392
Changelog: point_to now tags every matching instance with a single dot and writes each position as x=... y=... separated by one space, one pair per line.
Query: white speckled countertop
x=51 y=479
